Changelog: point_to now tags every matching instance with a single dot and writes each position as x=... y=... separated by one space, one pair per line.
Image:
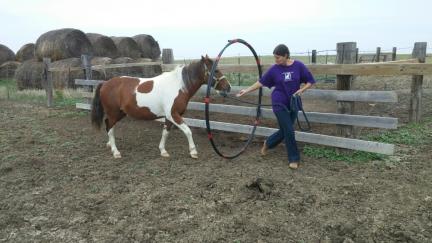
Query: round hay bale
x=68 y=72
x=120 y=60
x=29 y=75
x=139 y=60
x=64 y=77
x=103 y=46
x=147 y=71
x=62 y=44
x=101 y=61
x=100 y=74
x=7 y=69
x=149 y=46
x=127 y=47
x=26 y=52
x=6 y=54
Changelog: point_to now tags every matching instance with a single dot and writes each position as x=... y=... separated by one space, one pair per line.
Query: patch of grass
x=9 y=157
x=411 y=134
x=62 y=98
x=332 y=155
x=7 y=83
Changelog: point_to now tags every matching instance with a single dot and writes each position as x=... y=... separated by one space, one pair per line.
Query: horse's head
x=219 y=82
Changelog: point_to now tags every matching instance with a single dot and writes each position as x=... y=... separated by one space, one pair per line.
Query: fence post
x=346 y=54
x=48 y=81
x=394 y=54
x=86 y=66
x=419 y=52
x=238 y=74
x=314 y=56
x=357 y=55
x=378 y=54
x=167 y=56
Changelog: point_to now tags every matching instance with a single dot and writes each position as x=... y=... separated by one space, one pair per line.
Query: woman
x=285 y=76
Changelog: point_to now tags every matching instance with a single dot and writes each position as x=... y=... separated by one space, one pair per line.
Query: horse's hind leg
x=110 y=123
x=165 y=133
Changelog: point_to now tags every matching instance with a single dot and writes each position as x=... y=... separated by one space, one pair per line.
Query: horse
x=164 y=96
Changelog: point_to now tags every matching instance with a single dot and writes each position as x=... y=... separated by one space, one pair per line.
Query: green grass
x=413 y=134
x=410 y=134
x=332 y=154
x=62 y=98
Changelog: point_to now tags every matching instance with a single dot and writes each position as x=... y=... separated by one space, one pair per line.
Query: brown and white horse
x=166 y=95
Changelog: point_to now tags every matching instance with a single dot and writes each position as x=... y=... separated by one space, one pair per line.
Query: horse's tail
x=97 y=112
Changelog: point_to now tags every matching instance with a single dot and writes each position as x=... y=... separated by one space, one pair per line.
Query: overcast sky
x=195 y=27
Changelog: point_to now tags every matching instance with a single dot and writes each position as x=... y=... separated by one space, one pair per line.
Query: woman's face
x=280 y=59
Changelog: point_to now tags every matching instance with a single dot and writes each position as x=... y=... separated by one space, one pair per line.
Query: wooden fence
x=345 y=69
x=317 y=117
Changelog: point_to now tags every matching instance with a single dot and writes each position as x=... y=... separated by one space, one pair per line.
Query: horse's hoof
x=165 y=154
x=117 y=156
x=194 y=156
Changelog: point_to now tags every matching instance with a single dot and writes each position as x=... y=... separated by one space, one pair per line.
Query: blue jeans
x=285 y=133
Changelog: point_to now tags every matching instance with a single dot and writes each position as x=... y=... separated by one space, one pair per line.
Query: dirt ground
x=59 y=183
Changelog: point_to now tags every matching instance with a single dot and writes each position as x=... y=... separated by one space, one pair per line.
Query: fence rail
x=325 y=95
x=340 y=142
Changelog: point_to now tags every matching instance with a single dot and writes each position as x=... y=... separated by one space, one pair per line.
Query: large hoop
x=207 y=100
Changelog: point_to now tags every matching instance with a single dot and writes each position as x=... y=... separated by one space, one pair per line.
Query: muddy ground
x=59 y=183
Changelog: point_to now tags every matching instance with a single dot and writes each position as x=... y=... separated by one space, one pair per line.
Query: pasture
x=59 y=183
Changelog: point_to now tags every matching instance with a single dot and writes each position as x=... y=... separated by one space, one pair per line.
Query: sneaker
x=294 y=165
x=264 y=149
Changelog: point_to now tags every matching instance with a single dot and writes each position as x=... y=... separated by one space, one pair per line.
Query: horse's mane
x=191 y=74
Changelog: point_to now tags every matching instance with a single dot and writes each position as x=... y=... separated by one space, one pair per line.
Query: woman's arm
x=251 y=88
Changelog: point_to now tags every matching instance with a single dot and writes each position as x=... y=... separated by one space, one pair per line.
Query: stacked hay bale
x=6 y=54
x=65 y=72
x=101 y=61
x=29 y=75
x=62 y=44
x=65 y=46
x=7 y=62
x=127 y=47
x=147 y=71
x=7 y=69
x=26 y=52
x=103 y=46
x=148 y=45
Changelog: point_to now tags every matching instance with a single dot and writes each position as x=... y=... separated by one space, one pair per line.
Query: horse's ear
x=202 y=58
x=207 y=57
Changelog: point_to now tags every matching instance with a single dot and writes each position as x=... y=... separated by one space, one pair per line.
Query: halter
x=216 y=80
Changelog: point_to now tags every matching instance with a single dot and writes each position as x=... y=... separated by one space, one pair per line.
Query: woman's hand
x=298 y=92
x=241 y=93
x=253 y=87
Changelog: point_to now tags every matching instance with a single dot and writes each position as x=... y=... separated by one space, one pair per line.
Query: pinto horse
x=166 y=95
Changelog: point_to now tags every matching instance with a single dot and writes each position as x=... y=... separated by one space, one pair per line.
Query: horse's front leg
x=192 y=148
x=186 y=130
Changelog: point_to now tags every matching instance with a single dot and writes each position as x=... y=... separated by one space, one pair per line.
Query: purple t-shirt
x=286 y=80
